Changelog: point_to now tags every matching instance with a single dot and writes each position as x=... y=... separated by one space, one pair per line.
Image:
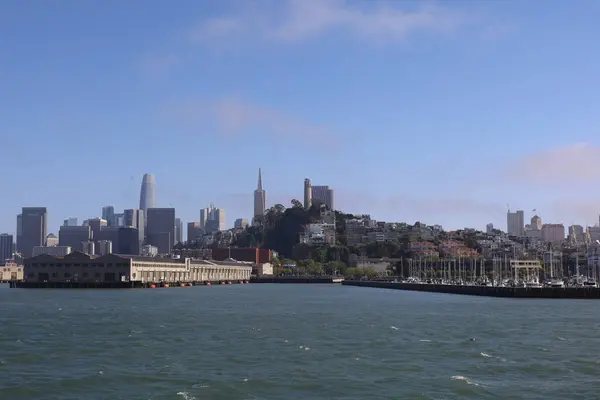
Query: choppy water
x=294 y=342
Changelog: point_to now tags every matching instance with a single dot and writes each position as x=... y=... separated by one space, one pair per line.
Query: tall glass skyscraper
x=148 y=194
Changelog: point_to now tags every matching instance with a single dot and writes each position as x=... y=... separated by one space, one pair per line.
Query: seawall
x=114 y=285
x=490 y=291
x=294 y=279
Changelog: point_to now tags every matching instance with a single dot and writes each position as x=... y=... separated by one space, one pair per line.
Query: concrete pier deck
x=296 y=279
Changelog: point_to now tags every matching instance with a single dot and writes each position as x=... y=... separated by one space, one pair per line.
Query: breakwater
x=490 y=291
x=295 y=279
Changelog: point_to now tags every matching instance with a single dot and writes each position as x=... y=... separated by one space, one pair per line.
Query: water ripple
x=298 y=341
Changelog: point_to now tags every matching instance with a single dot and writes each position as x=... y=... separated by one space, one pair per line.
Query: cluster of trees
x=280 y=228
x=315 y=268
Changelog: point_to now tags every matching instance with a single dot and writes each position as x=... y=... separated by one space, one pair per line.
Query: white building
x=79 y=267
x=56 y=251
x=11 y=271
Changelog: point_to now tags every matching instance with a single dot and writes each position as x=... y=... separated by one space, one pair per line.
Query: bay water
x=270 y=341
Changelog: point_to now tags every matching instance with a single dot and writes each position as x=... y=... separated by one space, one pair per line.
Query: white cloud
x=575 y=163
x=296 y=20
x=234 y=117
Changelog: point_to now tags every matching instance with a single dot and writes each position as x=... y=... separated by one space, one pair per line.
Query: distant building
x=124 y=240
x=19 y=232
x=194 y=232
x=260 y=198
x=120 y=219
x=249 y=254
x=10 y=271
x=70 y=222
x=178 y=230
x=149 y=251
x=73 y=236
x=6 y=247
x=536 y=223
x=323 y=195
x=79 y=267
x=577 y=234
x=241 y=223
x=553 y=233
x=96 y=224
x=108 y=214
x=515 y=223
x=103 y=247
x=57 y=251
x=51 y=240
x=160 y=228
x=212 y=219
x=34 y=224
x=135 y=218
x=148 y=193
x=88 y=248
x=489 y=228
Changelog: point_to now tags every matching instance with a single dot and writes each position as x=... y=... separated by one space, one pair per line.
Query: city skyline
x=448 y=98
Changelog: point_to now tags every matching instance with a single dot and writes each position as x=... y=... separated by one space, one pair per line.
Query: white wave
x=393 y=327
x=199 y=385
x=464 y=379
x=561 y=338
x=485 y=355
x=186 y=396
x=425 y=340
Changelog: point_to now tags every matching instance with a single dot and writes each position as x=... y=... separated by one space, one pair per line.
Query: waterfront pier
x=489 y=291
x=78 y=270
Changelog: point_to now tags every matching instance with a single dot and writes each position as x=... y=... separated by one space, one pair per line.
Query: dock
x=118 y=285
x=488 y=291
x=297 y=279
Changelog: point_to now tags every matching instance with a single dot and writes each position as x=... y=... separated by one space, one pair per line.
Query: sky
x=444 y=112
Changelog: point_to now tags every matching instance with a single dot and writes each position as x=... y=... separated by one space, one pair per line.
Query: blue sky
x=442 y=112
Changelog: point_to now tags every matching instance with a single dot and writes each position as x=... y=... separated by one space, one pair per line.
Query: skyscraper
x=322 y=195
x=34 y=225
x=148 y=193
x=178 y=230
x=212 y=219
x=307 y=193
x=71 y=221
x=135 y=218
x=108 y=213
x=194 y=232
x=515 y=223
x=260 y=198
x=19 y=231
x=160 y=228
x=6 y=247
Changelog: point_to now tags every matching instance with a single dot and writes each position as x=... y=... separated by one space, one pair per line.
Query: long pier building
x=78 y=267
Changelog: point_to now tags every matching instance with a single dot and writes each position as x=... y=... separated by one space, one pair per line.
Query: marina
x=506 y=272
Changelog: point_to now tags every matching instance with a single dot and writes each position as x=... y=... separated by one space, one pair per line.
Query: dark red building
x=250 y=254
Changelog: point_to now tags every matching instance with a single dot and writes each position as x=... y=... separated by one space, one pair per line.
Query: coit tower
x=148 y=194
